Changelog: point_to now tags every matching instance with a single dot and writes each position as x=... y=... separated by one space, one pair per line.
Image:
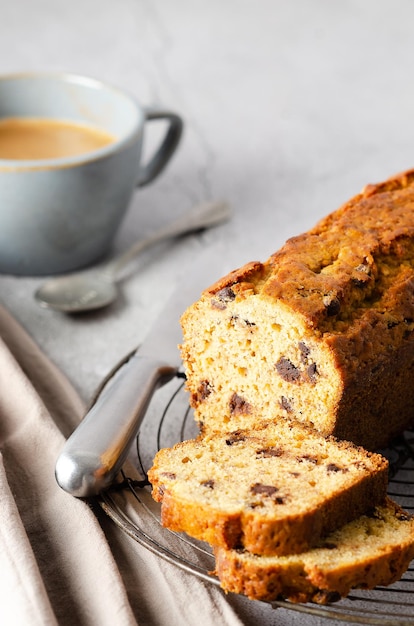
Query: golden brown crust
x=245 y=278
x=368 y=552
x=346 y=289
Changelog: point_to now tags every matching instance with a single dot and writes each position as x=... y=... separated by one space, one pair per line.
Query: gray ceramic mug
x=58 y=215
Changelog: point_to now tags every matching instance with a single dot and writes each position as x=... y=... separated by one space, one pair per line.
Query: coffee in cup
x=63 y=194
x=26 y=138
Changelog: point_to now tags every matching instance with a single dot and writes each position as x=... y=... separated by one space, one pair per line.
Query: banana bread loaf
x=372 y=550
x=322 y=331
x=274 y=490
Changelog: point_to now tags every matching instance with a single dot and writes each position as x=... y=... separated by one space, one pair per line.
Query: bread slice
x=323 y=331
x=375 y=549
x=275 y=490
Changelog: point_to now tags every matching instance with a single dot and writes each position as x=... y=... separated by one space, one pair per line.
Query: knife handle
x=97 y=449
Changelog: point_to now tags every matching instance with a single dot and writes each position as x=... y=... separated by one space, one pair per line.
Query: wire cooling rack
x=130 y=505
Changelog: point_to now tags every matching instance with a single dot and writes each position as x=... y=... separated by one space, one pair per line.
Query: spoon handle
x=202 y=216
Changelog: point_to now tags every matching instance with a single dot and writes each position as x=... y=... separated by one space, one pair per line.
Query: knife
x=98 y=447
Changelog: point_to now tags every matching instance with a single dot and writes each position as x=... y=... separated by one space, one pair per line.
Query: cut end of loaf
x=251 y=360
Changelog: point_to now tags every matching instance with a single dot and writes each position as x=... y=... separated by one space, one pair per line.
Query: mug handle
x=167 y=147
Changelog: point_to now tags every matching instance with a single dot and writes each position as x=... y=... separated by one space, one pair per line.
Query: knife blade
x=98 y=447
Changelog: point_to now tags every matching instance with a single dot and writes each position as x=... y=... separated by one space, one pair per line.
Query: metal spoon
x=93 y=289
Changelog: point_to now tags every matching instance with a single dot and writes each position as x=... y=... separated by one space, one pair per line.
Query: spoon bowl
x=94 y=289
x=77 y=292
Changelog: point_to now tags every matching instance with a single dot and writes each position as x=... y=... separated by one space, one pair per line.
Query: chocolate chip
x=285 y=404
x=264 y=490
x=203 y=391
x=329 y=546
x=226 y=294
x=312 y=372
x=308 y=458
x=304 y=351
x=269 y=452
x=216 y=304
x=208 y=483
x=332 y=305
x=235 y=437
x=332 y=467
x=242 y=322
x=222 y=297
x=287 y=370
x=238 y=405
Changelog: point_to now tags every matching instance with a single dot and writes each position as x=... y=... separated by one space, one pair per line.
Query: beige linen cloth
x=62 y=561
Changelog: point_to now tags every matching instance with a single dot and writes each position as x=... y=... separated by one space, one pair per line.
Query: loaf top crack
x=356 y=260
